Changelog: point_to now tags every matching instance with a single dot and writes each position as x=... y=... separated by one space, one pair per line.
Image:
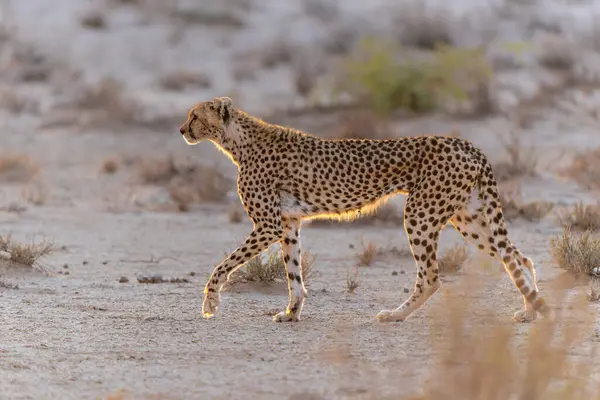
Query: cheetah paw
x=210 y=304
x=284 y=316
x=389 y=316
x=525 y=316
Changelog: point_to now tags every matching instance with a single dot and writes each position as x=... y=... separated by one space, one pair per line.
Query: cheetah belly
x=300 y=208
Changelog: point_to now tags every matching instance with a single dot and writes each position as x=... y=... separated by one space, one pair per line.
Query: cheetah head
x=207 y=120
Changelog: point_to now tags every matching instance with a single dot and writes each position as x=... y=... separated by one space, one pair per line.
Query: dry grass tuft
x=341 y=39
x=557 y=53
x=23 y=254
x=264 y=270
x=368 y=254
x=271 y=269
x=107 y=105
x=424 y=28
x=585 y=168
x=581 y=217
x=307 y=264
x=513 y=206
x=37 y=193
x=275 y=54
x=235 y=214
x=578 y=253
x=453 y=259
x=362 y=125
x=207 y=16
x=17 y=167
x=187 y=184
x=484 y=361
x=352 y=280
x=110 y=166
x=322 y=10
x=521 y=161
x=180 y=80
x=94 y=20
x=305 y=76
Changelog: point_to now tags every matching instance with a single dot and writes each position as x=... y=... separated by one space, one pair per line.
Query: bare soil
x=76 y=332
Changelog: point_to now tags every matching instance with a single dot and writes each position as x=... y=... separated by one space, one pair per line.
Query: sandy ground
x=73 y=331
x=85 y=335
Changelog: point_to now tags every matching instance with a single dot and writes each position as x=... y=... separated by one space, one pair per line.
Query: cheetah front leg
x=290 y=248
x=264 y=235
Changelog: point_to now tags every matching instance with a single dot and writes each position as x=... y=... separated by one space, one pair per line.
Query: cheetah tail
x=488 y=193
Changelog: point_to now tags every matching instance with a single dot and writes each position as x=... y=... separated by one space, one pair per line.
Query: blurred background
x=123 y=222
x=491 y=69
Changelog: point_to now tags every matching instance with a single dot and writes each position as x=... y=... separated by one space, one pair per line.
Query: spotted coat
x=287 y=176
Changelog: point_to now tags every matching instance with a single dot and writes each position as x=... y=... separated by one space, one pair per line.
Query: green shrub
x=389 y=79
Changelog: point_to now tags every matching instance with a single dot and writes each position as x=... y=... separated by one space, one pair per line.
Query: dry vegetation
x=17 y=167
x=187 y=184
x=110 y=166
x=367 y=255
x=423 y=28
x=585 y=168
x=521 y=162
x=180 y=80
x=275 y=54
x=453 y=259
x=578 y=253
x=581 y=217
x=94 y=20
x=235 y=214
x=272 y=269
x=36 y=193
x=486 y=361
x=105 y=104
x=557 y=53
x=352 y=280
x=23 y=254
x=362 y=124
x=514 y=207
x=370 y=252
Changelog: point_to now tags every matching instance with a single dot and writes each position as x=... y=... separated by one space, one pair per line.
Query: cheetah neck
x=243 y=131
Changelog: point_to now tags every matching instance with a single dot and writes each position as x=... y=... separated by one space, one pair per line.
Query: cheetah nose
x=182 y=130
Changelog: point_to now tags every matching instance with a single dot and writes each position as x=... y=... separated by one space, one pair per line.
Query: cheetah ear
x=223 y=105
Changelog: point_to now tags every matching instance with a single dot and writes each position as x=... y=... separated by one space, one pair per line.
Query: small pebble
x=123 y=279
x=85 y=263
x=104 y=262
x=351 y=246
x=66 y=266
x=394 y=273
x=192 y=273
x=406 y=290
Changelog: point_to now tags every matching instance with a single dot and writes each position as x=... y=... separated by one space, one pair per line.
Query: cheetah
x=286 y=176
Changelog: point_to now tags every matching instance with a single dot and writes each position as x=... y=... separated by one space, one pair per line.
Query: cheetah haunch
x=286 y=176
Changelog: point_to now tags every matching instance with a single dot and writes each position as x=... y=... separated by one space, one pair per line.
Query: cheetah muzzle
x=286 y=176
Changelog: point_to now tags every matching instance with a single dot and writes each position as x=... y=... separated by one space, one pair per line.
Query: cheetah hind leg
x=427 y=281
x=474 y=228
